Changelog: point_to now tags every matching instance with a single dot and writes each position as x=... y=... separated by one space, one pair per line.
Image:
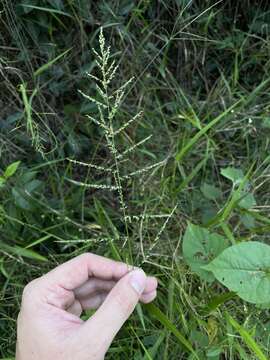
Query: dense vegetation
x=178 y=175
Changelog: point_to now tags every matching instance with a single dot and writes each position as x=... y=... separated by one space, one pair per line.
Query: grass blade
x=17 y=250
x=247 y=338
x=216 y=301
x=147 y=355
x=232 y=202
x=162 y=318
x=50 y=63
x=49 y=10
x=190 y=177
x=154 y=349
x=203 y=131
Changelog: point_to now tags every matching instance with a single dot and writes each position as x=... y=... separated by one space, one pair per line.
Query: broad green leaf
x=22 y=195
x=200 y=247
x=214 y=352
x=248 y=221
x=28 y=176
x=211 y=192
x=247 y=201
x=245 y=269
x=20 y=199
x=200 y=338
x=11 y=169
x=233 y=174
x=33 y=185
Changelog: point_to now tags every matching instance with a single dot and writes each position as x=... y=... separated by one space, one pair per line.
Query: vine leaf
x=11 y=169
x=245 y=269
x=211 y=192
x=233 y=174
x=200 y=247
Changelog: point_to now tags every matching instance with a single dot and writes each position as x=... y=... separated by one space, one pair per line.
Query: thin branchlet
x=97 y=167
x=132 y=148
x=93 y=186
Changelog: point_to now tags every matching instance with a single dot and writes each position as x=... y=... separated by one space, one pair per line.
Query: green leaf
x=126 y=9
x=28 y=7
x=33 y=185
x=22 y=192
x=233 y=174
x=140 y=315
x=11 y=169
x=233 y=200
x=20 y=9
x=248 y=339
x=211 y=192
x=19 y=251
x=27 y=177
x=162 y=318
x=44 y=67
x=153 y=351
x=191 y=175
x=192 y=141
x=2 y=181
x=216 y=301
x=266 y=123
x=57 y=4
x=214 y=352
x=20 y=199
x=200 y=247
x=247 y=201
x=245 y=269
x=248 y=221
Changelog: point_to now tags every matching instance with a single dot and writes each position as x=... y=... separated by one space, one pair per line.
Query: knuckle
x=87 y=256
x=29 y=290
x=83 y=263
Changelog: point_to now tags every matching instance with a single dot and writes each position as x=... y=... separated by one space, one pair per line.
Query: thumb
x=116 y=309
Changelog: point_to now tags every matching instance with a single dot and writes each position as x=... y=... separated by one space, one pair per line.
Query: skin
x=49 y=324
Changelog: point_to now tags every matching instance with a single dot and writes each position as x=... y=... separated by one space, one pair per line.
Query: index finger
x=76 y=272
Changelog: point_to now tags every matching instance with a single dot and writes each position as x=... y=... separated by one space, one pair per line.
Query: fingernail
x=138 y=280
x=132 y=268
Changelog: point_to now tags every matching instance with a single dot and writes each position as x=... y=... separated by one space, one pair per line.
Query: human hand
x=49 y=324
